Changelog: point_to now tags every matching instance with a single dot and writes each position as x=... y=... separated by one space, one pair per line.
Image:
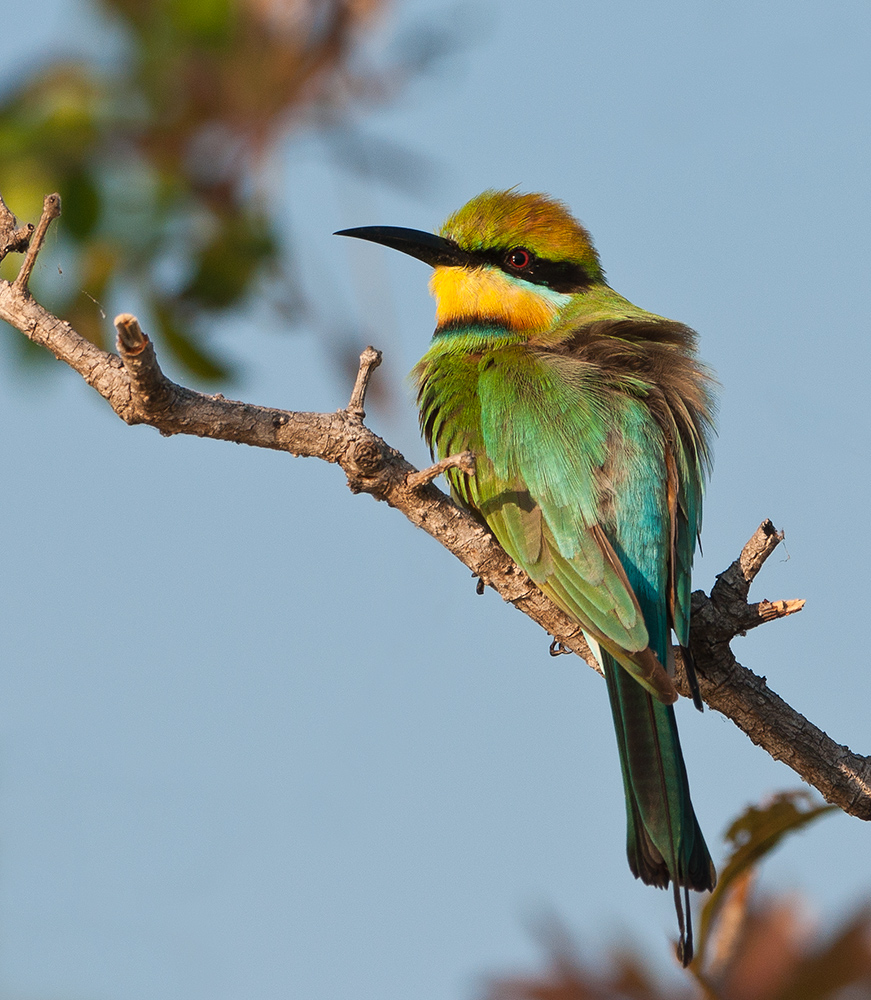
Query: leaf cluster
x=156 y=155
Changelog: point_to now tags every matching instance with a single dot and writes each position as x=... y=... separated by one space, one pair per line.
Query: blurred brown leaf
x=753 y=835
x=781 y=956
x=569 y=978
x=768 y=950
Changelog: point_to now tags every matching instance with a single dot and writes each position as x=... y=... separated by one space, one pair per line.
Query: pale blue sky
x=258 y=737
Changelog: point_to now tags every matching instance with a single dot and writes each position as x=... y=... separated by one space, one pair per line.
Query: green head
x=504 y=258
x=496 y=225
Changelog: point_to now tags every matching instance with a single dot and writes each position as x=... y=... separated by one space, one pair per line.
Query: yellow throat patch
x=486 y=293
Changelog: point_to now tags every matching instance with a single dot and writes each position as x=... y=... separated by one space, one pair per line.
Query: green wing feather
x=540 y=431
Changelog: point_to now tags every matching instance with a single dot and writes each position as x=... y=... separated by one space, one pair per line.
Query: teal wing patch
x=686 y=481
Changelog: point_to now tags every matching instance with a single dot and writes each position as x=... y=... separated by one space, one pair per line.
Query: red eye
x=519 y=258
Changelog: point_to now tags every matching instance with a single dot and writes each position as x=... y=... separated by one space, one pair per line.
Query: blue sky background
x=258 y=737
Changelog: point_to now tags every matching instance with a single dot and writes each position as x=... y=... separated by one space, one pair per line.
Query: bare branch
x=769 y=611
x=370 y=359
x=465 y=461
x=50 y=211
x=139 y=392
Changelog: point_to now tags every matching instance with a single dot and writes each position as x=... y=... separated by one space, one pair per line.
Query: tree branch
x=138 y=391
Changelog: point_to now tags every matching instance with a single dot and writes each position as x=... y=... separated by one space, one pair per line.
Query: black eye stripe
x=560 y=275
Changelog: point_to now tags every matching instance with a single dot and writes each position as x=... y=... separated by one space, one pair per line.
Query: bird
x=590 y=420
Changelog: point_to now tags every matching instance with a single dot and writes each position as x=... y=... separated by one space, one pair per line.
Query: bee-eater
x=590 y=421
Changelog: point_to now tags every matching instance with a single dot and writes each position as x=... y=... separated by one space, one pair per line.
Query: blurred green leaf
x=232 y=258
x=183 y=347
x=159 y=155
x=205 y=21
x=81 y=202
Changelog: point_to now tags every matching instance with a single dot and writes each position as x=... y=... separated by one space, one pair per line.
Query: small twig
x=151 y=391
x=50 y=211
x=733 y=584
x=736 y=618
x=13 y=238
x=18 y=241
x=465 y=461
x=765 y=540
x=370 y=359
x=768 y=611
x=131 y=339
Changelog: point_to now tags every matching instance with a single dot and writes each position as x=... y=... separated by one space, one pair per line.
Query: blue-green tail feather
x=664 y=842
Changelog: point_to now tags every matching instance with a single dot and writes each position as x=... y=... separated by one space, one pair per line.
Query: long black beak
x=433 y=250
